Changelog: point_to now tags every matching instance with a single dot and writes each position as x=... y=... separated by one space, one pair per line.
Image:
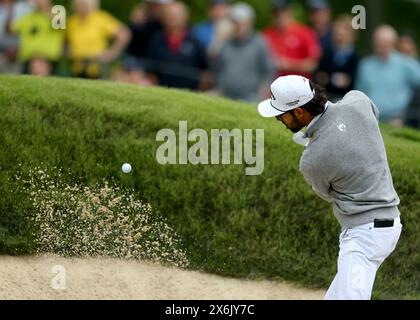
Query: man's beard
x=296 y=125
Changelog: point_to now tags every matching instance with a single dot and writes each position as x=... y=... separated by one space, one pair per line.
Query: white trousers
x=362 y=251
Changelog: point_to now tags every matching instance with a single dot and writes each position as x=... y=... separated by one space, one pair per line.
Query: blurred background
x=229 y=48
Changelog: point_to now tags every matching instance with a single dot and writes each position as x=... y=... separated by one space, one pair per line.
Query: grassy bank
x=271 y=225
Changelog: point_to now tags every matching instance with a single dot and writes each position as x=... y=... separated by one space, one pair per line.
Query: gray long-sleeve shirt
x=346 y=163
x=243 y=68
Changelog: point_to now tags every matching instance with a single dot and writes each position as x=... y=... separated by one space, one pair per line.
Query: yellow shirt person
x=89 y=37
x=37 y=37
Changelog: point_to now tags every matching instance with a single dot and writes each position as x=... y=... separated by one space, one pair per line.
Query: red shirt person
x=295 y=47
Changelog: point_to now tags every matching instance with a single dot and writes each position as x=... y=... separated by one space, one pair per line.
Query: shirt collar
x=311 y=126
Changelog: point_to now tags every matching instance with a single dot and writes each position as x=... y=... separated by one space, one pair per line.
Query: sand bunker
x=101 y=278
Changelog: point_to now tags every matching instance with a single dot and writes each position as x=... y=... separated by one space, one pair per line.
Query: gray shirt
x=243 y=68
x=346 y=163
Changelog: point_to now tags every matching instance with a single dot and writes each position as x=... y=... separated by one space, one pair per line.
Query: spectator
x=412 y=116
x=320 y=16
x=176 y=57
x=214 y=33
x=388 y=77
x=205 y=31
x=40 y=67
x=38 y=40
x=132 y=68
x=408 y=47
x=144 y=28
x=245 y=68
x=138 y=16
x=89 y=31
x=10 y=12
x=338 y=65
x=407 y=44
x=295 y=48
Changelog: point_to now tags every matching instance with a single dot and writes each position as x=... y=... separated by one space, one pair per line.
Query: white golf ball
x=126 y=168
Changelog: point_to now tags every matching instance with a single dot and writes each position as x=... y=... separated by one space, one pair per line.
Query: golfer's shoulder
x=354 y=106
x=354 y=98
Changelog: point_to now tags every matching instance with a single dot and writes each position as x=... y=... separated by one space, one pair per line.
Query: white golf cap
x=287 y=93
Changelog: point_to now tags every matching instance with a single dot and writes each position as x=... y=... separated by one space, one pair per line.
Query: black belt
x=380 y=223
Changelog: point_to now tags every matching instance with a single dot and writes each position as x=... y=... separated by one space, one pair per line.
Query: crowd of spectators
x=223 y=55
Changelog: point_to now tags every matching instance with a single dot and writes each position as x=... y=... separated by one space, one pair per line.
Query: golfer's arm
x=325 y=195
x=319 y=181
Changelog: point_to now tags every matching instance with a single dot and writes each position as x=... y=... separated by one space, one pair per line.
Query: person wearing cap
x=244 y=69
x=320 y=16
x=294 y=47
x=345 y=162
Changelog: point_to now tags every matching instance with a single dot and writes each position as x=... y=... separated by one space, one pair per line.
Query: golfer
x=345 y=162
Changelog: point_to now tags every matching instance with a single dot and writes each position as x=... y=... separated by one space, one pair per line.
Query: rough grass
x=270 y=226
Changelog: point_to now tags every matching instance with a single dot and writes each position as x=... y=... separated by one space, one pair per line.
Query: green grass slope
x=269 y=226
